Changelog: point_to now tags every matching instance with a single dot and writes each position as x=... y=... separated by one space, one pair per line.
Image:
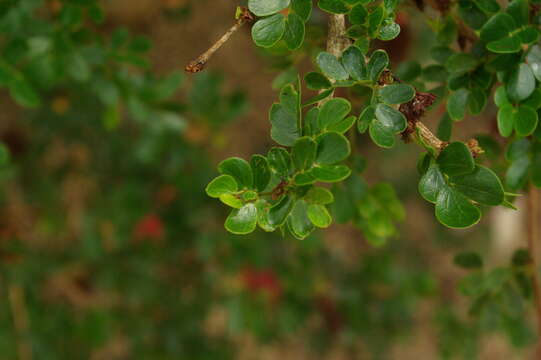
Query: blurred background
x=110 y=248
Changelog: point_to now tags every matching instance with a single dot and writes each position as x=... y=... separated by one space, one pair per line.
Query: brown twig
x=199 y=63
x=534 y=230
x=337 y=41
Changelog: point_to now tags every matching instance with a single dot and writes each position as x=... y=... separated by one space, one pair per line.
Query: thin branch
x=534 y=230
x=199 y=63
x=337 y=42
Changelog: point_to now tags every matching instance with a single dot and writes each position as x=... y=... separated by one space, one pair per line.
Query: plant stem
x=199 y=63
x=337 y=42
x=534 y=229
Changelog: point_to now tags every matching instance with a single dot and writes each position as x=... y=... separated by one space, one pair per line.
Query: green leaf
x=261 y=171
x=331 y=67
x=304 y=153
x=454 y=210
x=279 y=212
x=24 y=94
x=391 y=118
x=381 y=135
x=298 y=221
x=517 y=173
x=316 y=81
x=331 y=173
x=431 y=183
x=366 y=118
x=445 y=127
x=435 y=73
x=279 y=161
x=231 y=200
x=343 y=126
x=358 y=15
x=500 y=96
x=534 y=60
x=518 y=149
x=354 y=63
x=456 y=104
x=322 y=95
x=332 y=147
x=223 y=184
x=521 y=83
x=374 y=20
x=477 y=100
x=294 y=33
x=481 y=186
x=461 y=63
x=267 y=7
x=268 y=31
x=333 y=111
x=389 y=31
x=319 y=195
x=520 y=11
x=284 y=125
x=239 y=169
x=506 y=120
x=377 y=63
x=333 y=6
x=468 y=260
x=306 y=178
x=456 y=159
x=507 y=45
x=525 y=120
x=534 y=101
x=319 y=215
x=408 y=70
x=489 y=6
x=242 y=221
x=303 y=8
x=497 y=27
x=396 y=93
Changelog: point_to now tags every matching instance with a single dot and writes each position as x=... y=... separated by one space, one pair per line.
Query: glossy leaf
x=242 y=221
x=319 y=215
x=319 y=195
x=304 y=153
x=294 y=32
x=279 y=212
x=397 y=93
x=521 y=83
x=223 y=184
x=239 y=169
x=525 y=120
x=454 y=210
x=267 y=7
x=456 y=159
x=331 y=173
x=331 y=66
x=354 y=63
x=391 y=118
x=332 y=147
x=431 y=183
x=268 y=31
x=457 y=103
x=481 y=186
x=381 y=135
x=261 y=171
x=298 y=220
x=506 y=120
x=333 y=6
x=279 y=161
x=377 y=63
x=316 y=81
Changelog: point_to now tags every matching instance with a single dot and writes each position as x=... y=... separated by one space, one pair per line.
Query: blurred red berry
x=149 y=227
x=264 y=281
